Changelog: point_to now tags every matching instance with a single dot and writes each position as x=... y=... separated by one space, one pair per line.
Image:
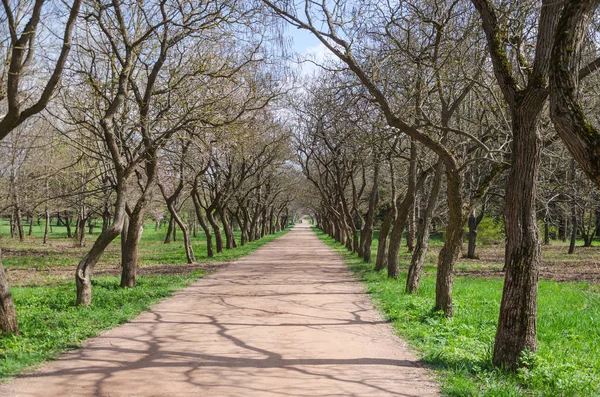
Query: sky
x=307 y=47
x=302 y=40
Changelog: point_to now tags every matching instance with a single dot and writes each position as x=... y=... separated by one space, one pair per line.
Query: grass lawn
x=49 y=321
x=61 y=250
x=460 y=348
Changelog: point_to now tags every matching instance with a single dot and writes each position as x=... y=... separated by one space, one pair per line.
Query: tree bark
x=81 y=231
x=216 y=229
x=30 y=231
x=86 y=266
x=8 y=314
x=198 y=208
x=67 y=222
x=411 y=228
x=130 y=253
x=19 y=223
x=12 y=226
x=472 y=235
x=105 y=218
x=518 y=309
x=473 y=222
x=573 y=229
x=367 y=232
x=453 y=240
x=415 y=270
x=187 y=242
x=229 y=238
x=402 y=210
x=390 y=215
x=47 y=225
x=578 y=134
x=169 y=230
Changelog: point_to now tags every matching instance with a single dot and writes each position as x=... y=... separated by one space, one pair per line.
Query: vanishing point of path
x=287 y=320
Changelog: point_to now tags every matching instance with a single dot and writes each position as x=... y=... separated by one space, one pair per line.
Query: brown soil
x=556 y=265
x=287 y=320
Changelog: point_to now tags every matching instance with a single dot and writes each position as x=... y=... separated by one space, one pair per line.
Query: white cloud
x=312 y=57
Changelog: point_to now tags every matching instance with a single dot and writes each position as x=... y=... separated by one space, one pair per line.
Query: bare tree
x=20 y=52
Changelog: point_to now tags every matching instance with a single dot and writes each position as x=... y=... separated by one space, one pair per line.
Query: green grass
x=61 y=251
x=567 y=362
x=50 y=323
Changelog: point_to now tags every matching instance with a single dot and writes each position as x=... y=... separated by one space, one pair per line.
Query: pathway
x=287 y=320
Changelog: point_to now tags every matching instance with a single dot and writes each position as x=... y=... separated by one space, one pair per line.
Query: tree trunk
x=561 y=226
x=124 y=233
x=243 y=222
x=453 y=241
x=198 y=208
x=130 y=252
x=367 y=232
x=130 y=255
x=415 y=270
x=209 y=245
x=105 y=219
x=86 y=266
x=271 y=222
x=169 y=230
x=472 y=235
x=81 y=231
x=518 y=309
x=393 y=260
x=573 y=212
x=253 y=223
x=263 y=228
x=19 y=224
x=216 y=229
x=229 y=238
x=47 y=225
x=403 y=209
x=187 y=242
x=68 y=225
x=12 y=226
x=411 y=227
x=573 y=229
x=30 y=231
x=597 y=231
x=390 y=215
x=8 y=315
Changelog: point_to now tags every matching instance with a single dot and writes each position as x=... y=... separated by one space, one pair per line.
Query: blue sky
x=302 y=40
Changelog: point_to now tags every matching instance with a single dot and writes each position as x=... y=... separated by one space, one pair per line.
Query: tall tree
x=20 y=55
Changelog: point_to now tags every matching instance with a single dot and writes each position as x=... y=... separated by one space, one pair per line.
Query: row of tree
x=420 y=95
x=174 y=99
x=162 y=106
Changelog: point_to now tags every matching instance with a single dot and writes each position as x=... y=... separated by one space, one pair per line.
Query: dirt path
x=287 y=320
